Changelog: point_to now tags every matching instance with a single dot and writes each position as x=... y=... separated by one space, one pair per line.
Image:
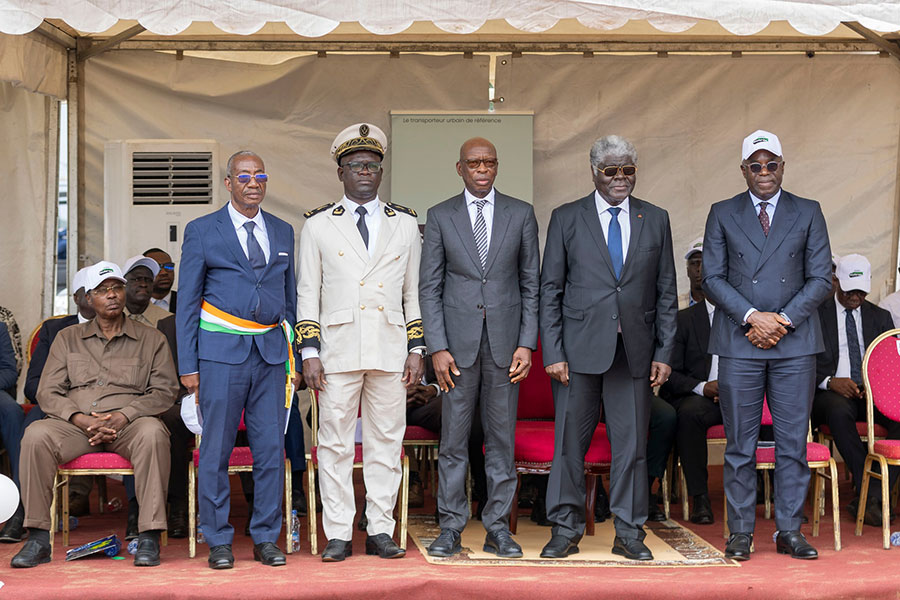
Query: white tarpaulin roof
x=313 y=18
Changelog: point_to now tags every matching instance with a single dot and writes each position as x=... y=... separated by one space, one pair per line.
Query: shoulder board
x=398 y=208
x=315 y=211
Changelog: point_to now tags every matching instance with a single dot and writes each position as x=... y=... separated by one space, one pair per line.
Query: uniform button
x=380 y=284
x=362 y=283
x=755 y=281
x=397 y=257
x=340 y=252
x=380 y=308
x=362 y=307
x=615 y=317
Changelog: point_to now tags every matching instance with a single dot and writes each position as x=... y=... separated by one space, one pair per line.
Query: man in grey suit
x=608 y=306
x=766 y=267
x=478 y=291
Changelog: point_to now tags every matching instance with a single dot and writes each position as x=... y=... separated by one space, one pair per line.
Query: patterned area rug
x=672 y=546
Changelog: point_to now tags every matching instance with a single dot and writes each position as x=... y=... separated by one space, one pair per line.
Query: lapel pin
x=640 y=216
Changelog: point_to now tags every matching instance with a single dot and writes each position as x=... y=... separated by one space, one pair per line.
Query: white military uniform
x=361 y=310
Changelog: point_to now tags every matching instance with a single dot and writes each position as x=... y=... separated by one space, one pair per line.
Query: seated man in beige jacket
x=102 y=386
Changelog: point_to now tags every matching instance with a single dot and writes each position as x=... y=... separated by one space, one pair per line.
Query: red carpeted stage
x=861 y=570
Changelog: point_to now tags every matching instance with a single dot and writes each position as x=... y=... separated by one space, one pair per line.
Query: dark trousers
x=841 y=415
x=487 y=386
x=787 y=384
x=294 y=449
x=12 y=419
x=696 y=414
x=255 y=388
x=660 y=437
x=626 y=404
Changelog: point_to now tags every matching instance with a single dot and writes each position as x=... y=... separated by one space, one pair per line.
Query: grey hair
x=611 y=145
x=235 y=156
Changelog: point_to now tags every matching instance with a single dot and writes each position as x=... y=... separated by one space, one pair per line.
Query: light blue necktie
x=614 y=241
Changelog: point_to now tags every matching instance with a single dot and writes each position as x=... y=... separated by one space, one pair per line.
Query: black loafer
x=738 y=546
x=147 y=554
x=654 y=512
x=269 y=554
x=445 y=545
x=793 y=543
x=560 y=546
x=220 y=557
x=384 y=546
x=702 y=513
x=32 y=554
x=501 y=543
x=632 y=549
x=337 y=550
x=131 y=526
x=13 y=531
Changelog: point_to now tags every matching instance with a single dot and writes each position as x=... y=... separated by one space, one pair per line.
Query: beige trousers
x=382 y=399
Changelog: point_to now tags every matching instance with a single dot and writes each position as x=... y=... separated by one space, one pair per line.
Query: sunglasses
x=357 y=167
x=489 y=163
x=169 y=266
x=612 y=171
x=770 y=166
x=259 y=177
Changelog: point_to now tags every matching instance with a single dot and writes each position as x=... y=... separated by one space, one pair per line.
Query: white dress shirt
x=259 y=232
x=714 y=364
x=163 y=302
x=770 y=210
x=373 y=218
x=82 y=318
x=606 y=217
x=487 y=211
x=843 y=365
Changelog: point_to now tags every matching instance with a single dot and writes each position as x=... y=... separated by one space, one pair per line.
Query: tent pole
x=73 y=108
x=51 y=140
x=883 y=43
x=895 y=247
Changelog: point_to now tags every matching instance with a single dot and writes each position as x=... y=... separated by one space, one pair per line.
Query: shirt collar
x=471 y=199
x=238 y=220
x=82 y=318
x=710 y=307
x=371 y=206
x=773 y=200
x=93 y=328
x=603 y=205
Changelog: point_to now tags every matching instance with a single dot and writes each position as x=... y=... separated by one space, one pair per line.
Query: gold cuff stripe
x=308 y=330
x=414 y=330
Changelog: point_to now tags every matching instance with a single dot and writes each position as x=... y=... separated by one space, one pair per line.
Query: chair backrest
x=33 y=338
x=766 y=414
x=881 y=377
x=535 y=391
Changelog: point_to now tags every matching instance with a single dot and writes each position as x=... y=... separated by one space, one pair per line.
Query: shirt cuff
x=698 y=389
x=823 y=385
x=420 y=350
x=749 y=312
x=308 y=352
x=437 y=388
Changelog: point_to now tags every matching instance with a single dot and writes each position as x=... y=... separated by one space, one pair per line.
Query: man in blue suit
x=238 y=306
x=766 y=267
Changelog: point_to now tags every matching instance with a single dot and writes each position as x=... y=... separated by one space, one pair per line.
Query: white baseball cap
x=760 y=140
x=835 y=259
x=855 y=273
x=141 y=261
x=100 y=272
x=190 y=414
x=78 y=280
x=696 y=246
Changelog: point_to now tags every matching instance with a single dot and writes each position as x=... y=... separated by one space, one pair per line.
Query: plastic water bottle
x=200 y=538
x=132 y=546
x=895 y=538
x=295 y=530
x=73 y=523
x=114 y=504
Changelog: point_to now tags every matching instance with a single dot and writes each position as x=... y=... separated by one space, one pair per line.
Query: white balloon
x=9 y=498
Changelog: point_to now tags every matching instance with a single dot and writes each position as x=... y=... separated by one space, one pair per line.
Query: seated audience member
x=12 y=418
x=693 y=388
x=163 y=294
x=102 y=385
x=891 y=303
x=849 y=324
x=6 y=317
x=140 y=272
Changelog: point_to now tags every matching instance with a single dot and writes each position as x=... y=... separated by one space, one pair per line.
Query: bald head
x=478 y=166
x=475 y=141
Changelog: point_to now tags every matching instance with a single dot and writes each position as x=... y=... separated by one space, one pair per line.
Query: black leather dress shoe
x=178 y=522
x=446 y=544
x=131 y=526
x=560 y=546
x=147 y=554
x=702 y=513
x=501 y=543
x=32 y=554
x=654 y=512
x=363 y=523
x=793 y=543
x=220 y=557
x=738 y=546
x=337 y=550
x=632 y=549
x=384 y=546
x=601 y=506
x=13 y=531
x=269 y=554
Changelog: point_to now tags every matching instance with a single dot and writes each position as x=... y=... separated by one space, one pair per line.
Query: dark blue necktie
x=614 y=241
x=853 y=348
x=254 y=250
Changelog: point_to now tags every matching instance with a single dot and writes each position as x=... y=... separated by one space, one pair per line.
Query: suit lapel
x=636 y=221
x=229 y=236
x=786 y=215
x=868 y=324
x=346 y=225
x=748 y=221
x=498 y=229
x=273 y=240
x=592 y=220
x=385 y=233
x=460 y=219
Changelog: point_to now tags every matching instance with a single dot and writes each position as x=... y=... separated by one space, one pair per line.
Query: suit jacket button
x=782 y=280
x=618 y=289
x=484 y=281
x=615 y=317
x=755 y=281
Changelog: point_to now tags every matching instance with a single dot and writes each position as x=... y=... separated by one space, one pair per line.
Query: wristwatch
x=420 y=351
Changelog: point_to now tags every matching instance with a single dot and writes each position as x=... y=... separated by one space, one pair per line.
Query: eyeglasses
x=612 y=171
x=118 y=289
x=770 y=166
x=245 y=178
x=140 y=279
x=169 y=266
x=489 y=163
x=357 y=167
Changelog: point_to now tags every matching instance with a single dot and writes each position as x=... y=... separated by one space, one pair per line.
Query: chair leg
x=885 y=503
x=433 y=467
x=590 y=483
x=53 y=508
x=767 y=492
x=311 y=505
x=514 y=510
x=404 y=503
x=685 y=506
x=101 y=492
x=835 y=505
x=65 y=511
x=864 y=495
x=664 y=486
x=818 y=482
x=192 y=509
x=288 y=507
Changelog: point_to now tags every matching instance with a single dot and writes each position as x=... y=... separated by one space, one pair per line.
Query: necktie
x=853 y=348
x=480 y=231
x=254 y=250
x=361 y=224
x=764 y=218
x=614 y=240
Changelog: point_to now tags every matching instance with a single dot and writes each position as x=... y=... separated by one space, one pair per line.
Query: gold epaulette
x=398 y=208
x=315 y=211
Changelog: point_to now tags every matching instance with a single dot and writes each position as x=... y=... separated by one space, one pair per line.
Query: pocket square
x=282 y=254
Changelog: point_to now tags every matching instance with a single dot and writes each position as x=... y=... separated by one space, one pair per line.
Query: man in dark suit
x=238 y=306
x=608 y=306
x=693 y=388
x=478 y=290
x=840 y=399
x=163 y=294
x=766 y=267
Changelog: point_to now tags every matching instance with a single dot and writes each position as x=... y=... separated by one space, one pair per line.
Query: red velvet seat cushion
x=716 y=432
x=600 y=452
x=861 y=429
x=415 y=433
x=98 y=460
x=534 y=444
x=814 y=453
x=888 y=448
x=240 y=457
x=357 y=454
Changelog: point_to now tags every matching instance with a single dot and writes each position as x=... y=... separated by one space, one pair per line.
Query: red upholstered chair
x=424 y=444
x=881 y=375
x=240 y=461
x=312 y=463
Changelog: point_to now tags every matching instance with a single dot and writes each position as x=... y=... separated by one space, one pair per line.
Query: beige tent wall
x=838 y=118
x=289 y=113
x=34 y=63
x=24 y=124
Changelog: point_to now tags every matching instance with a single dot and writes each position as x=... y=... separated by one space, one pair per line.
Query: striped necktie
x=480 y=231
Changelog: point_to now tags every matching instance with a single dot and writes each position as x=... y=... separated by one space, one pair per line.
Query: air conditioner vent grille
x=172 y=178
